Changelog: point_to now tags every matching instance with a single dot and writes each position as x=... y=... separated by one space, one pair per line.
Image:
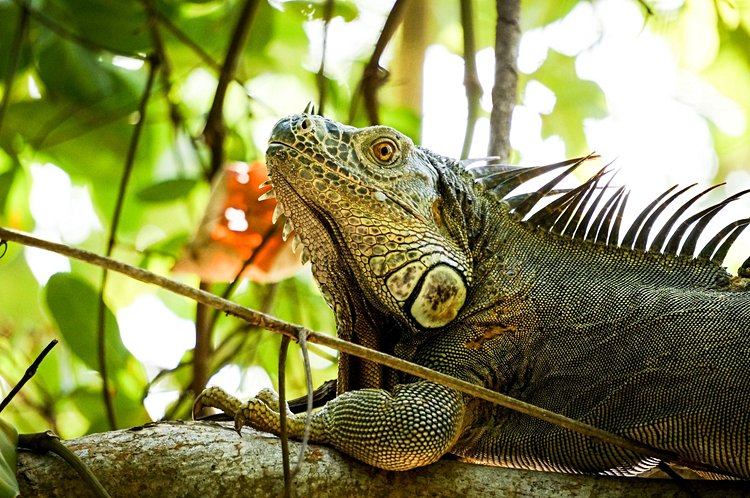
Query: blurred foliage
x=72 y=74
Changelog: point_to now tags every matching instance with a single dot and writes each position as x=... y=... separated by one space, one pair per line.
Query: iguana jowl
x=441 y=265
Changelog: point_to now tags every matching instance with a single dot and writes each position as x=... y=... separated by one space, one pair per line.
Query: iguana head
x=372 y=198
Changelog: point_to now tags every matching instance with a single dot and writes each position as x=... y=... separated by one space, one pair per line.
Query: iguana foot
x=413 y=425
x=260 y=412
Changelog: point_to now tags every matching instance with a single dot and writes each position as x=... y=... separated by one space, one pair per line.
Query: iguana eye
x=384 y=150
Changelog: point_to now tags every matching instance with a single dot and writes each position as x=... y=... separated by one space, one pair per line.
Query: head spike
x=709 y=249
x=679 y=233
x=503 y=179
x=518 y=199
x=642 y=239
x=594 y=228
x=526 y=206
x=606 y=216
x=574 y=223
x=630 y=235
x=688 y=247
x=721 y=252
x=614 y=234
x=584 y=227
x=744 y=269
x=547 y=217
x=661 y=237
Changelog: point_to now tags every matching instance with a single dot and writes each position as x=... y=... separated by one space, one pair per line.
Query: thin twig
x=374 y=76
x=14 y=57
x=202 y=349
x=471 y=77
x=507 y=38
x=28 y=374
x=187 y=41
x=321 y=77
x=43 y=442
x=127 y=170
x=160 y=52
x=213 y=132
x=294 y=331
x=302 y=338
x=283 y=351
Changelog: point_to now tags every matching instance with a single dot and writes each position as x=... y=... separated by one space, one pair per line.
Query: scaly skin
x=419 y=259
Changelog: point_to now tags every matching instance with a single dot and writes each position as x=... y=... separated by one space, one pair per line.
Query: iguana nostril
x=306 y=124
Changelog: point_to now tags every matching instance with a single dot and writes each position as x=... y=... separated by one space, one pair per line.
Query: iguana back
x=448 y=267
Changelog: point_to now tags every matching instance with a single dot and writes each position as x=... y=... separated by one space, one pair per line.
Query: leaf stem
x=101 y=325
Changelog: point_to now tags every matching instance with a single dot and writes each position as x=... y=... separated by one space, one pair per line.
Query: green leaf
x=8 y=452
x=6 y=182
x=166 y=191
x=77 y=74
x=74 y=306
x=538 y=14
x=119 y=27
x=576 y=100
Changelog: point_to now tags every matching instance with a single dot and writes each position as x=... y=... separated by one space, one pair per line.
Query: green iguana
x=440 y=264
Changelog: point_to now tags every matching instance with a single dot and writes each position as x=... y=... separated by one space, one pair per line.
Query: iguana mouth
x=298 y=201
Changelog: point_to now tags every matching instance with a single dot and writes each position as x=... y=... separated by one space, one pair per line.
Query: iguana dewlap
x=638 y=333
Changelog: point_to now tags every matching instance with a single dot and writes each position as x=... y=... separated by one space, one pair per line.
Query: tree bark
x=210 y=460
x=507 y=38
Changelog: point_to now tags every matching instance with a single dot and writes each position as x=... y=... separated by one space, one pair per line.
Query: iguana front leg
x=412 y=426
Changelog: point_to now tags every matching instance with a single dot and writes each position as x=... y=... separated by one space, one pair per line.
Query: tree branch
x=507 y=38
x=211 y=460
x=471 y=77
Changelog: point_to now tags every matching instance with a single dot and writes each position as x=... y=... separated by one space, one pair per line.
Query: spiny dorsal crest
x=583 y=213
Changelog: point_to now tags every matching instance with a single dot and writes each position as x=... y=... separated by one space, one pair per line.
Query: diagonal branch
x=374 y=75
x=296 y=331
x=214 y=132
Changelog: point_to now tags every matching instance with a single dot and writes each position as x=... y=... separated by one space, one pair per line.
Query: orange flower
x=237 y=228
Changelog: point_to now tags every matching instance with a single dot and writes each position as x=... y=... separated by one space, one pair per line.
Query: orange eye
x=384 y=150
